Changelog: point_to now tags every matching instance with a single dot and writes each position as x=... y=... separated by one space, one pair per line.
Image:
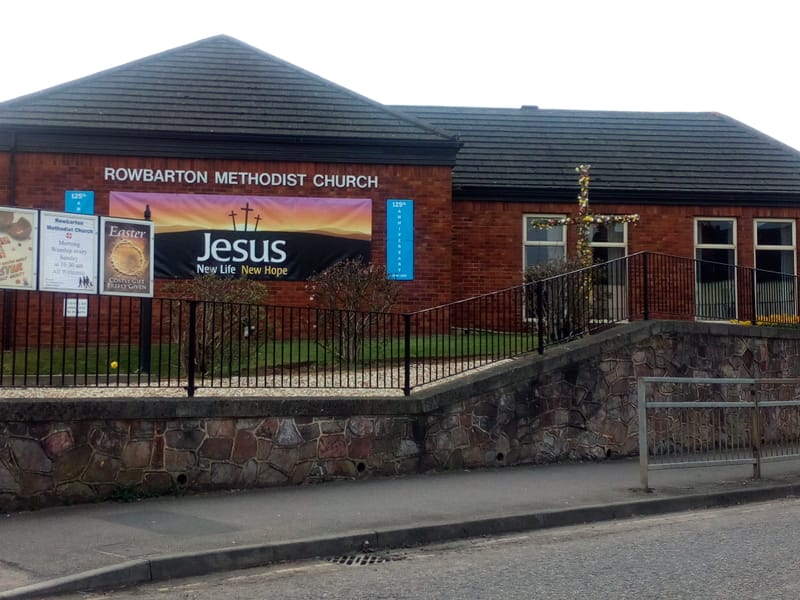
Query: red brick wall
x=5 y=162
x=41 y=180
x=488 y=254
x=471 y=248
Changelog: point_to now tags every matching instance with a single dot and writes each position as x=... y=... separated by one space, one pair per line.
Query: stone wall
x=576 y=402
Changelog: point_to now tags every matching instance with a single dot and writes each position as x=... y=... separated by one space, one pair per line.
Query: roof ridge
x=538 y=109
x=401 y=119
x=105 y=72
x=360 y=97
x=767 y=138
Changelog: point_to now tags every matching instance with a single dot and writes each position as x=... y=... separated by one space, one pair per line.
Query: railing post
x=145 y=324
x=754 y=318
x=192 y=353
x=407 y=354
x=645 y=288
x=755 y=435
x=540 y=315
x=643 y=465
x=145 y=333
x=8 y=319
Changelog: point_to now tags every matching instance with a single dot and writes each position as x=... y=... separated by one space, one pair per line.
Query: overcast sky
x=733 y=57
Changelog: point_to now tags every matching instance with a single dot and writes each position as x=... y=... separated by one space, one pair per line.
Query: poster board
x=67 y=252
x=126 y=257
x=18 y=235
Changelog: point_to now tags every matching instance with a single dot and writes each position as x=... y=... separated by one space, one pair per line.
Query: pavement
x=113 y=544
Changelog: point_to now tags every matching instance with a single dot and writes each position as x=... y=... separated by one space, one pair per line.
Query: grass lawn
x=244 y=355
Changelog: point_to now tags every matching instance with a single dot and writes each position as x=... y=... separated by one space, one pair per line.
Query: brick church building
x=247 y=162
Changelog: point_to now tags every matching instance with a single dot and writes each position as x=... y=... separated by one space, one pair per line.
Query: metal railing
x=703 y=422
x=52 y=339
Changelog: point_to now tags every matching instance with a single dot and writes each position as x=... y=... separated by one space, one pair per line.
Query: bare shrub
x=227 y=321
x=353 y=294
x=566 y=289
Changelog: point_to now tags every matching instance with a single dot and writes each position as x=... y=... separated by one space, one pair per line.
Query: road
x=743 y=552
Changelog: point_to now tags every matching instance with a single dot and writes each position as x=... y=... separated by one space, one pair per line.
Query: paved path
x=112 y=543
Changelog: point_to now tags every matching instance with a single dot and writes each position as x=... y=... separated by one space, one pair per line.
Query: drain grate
x=365 y=558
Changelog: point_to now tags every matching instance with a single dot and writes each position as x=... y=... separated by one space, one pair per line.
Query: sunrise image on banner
x=258 y=237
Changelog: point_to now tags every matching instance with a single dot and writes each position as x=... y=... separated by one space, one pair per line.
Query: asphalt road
x=743 y=552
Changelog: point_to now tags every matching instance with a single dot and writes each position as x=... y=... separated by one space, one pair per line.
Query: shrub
x=227 y=321
x=552 y=268
x=353 y=294
x=566 y=297
x=774 y=320
x=213 y=289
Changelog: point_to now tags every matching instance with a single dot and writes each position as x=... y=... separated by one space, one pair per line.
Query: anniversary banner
x=258 y=237
x=18 y=233
x=126 y=257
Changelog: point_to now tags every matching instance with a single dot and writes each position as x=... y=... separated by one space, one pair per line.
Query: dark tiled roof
x=533 y=151
x=220 y=98
x=218 y=87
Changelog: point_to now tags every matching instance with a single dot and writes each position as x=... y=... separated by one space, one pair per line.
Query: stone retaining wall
x=576 y=402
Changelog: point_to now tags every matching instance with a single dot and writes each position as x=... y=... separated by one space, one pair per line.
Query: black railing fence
x=52 y=339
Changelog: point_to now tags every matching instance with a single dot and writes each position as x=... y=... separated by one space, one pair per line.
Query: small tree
x=226 y=321
x=566 y=300
x=353 y=294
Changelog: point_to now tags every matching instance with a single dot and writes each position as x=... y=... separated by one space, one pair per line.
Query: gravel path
x=364 y=383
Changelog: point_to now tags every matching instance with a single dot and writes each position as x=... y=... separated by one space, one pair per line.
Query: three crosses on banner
x=584 y=219
x=247 y=210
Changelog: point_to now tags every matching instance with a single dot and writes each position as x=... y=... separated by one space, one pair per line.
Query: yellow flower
x=114 y=364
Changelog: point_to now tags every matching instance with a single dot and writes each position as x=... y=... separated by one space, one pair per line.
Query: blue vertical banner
x=79 y=201
x=400 y=239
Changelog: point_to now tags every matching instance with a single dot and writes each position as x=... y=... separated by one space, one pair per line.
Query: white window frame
x=623 y=244
x=615 y=295
x=731 y=246
x=792 y=247
x=788 y=307
x=525 y=242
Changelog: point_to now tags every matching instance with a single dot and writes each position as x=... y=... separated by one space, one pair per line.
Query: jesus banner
x=258 y=237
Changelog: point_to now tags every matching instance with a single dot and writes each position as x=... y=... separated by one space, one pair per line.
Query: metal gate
x=698 y=422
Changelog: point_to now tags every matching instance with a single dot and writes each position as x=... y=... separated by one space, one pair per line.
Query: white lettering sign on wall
x=263 y=179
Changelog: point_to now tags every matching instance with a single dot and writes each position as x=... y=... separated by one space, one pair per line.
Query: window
x=775 y=249
x=542 y=245
x=609 y=242
x=715 y=251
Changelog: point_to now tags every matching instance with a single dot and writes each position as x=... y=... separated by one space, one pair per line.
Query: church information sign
x=126 y=257
x=79 y=201
x=257 y=237
x=400 y=239
x=67 y=252
x=76 y=308
x=18 y=234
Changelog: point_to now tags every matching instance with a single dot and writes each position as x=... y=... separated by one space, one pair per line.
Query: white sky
x=730 y=56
